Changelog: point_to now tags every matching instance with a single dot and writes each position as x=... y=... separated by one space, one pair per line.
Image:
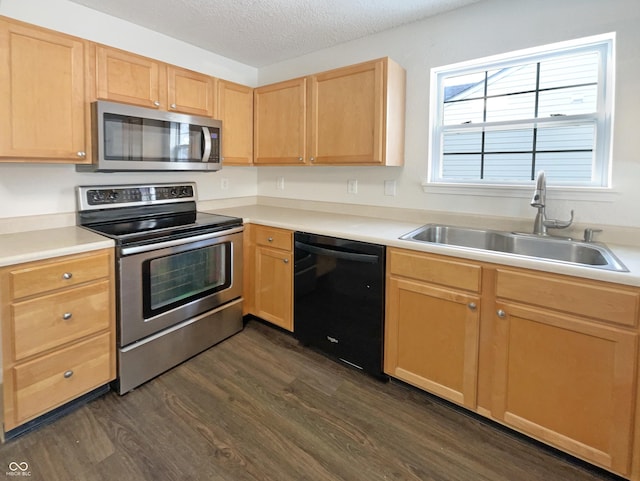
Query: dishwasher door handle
x=338 y=254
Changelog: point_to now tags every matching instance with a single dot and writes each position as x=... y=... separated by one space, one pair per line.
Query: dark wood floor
x=260 y=407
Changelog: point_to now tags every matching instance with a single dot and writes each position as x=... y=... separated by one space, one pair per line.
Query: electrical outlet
x=224 y=183
x=352 y=186
x=280 y=183
x=389 y=187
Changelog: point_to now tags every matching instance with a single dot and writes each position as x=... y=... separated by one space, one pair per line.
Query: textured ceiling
x=263 y=32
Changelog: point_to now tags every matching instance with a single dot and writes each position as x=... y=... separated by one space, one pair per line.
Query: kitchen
x=39 y=193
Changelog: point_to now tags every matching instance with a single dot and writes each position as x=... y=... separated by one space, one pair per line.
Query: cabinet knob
x=81 y=154
x=67 y=275
x=301 y=159
x=68 y=374
x=501 y=313
x=156 y=103
x=173 y=106
x=472 y=306
x=270 y=239
x=66 y=316
x=286 y=261
x=312 y=159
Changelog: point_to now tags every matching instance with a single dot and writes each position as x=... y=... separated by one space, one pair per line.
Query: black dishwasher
x=339 y=299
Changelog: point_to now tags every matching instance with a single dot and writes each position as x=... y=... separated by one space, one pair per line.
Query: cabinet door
x=190 y=92
x=42 y=95
x=347 y=115
x=235 y=109
x=431 y=339
x=129 y=78
x=280 y=123
x=274 y=286
x=566 y=381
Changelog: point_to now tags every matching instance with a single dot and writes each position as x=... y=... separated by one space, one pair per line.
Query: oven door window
x=180 y=278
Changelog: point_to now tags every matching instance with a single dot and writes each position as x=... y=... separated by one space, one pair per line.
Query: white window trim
x=604 y=149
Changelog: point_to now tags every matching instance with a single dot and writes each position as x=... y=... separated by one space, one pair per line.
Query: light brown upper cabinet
x=280 y=123
x=347 y=116
x=357 y=115
x=125 y=77
x=43 y=115
x=235 y=109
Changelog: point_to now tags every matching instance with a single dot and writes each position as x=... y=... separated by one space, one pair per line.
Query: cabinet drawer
x=434 y=269
x=51 y=380
x=273 y=237
x=69 y=271
x=609 y=302
x=49 y=321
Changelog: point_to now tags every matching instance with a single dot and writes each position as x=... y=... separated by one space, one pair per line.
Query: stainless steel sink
x=556 y=249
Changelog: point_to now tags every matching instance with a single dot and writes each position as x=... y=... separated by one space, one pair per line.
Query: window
x=500 y=120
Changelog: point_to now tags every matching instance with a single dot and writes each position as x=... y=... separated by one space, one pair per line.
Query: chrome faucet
x=539 y=199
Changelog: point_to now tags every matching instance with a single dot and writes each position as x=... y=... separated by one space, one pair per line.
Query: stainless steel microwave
x=130 y=138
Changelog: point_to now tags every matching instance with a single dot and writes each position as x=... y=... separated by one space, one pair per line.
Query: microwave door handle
x=207 y=144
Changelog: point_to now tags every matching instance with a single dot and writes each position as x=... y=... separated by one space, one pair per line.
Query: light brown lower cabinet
x=269 y=286
x=58 y=332
x=554 y=357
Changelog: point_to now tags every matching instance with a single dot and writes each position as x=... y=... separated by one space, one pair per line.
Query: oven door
x=163 y=284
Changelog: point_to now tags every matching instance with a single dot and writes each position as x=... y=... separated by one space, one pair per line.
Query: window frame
x=602 y=160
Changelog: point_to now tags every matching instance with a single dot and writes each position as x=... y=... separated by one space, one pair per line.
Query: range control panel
x=130 y=195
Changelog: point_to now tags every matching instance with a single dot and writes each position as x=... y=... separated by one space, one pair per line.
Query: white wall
x=47 y=189
x=486 y=28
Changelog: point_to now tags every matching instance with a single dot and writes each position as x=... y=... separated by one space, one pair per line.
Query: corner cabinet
x=43 y=100
x=58 y=332
x=432 y=324
x=347 y=116
x=268 y=289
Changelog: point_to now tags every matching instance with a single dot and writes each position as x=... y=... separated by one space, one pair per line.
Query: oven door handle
x=178 y=242
x=338 y=254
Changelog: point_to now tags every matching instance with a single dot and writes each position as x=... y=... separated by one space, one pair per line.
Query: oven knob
x=113 y=195
x=184 y=192
x=173 y=192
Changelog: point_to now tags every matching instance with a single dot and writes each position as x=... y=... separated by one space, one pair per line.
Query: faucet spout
x=539 y=195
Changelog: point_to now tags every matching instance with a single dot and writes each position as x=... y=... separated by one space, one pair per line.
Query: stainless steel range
x=179 y=273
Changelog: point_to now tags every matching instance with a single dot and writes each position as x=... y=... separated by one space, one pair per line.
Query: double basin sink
x=569 y=251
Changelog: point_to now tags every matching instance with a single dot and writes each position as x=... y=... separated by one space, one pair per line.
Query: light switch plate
x=389 y=187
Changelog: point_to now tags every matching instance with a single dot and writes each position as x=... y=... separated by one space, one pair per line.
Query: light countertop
x=43 y=244
x=388 y=231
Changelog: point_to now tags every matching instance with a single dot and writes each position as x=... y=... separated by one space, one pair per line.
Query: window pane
x=460 y=142
x=572 y=137
x=509 y=141
x=566 y=167
x=461 y=167
x=568 y=101
x=569 y=70
x=512 y=80
x=463 y=86
x=463 y=112
x=511 y=107
x=507 y=167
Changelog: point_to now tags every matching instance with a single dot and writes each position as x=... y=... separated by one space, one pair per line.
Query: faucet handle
x=588 y=234
x=559 y=224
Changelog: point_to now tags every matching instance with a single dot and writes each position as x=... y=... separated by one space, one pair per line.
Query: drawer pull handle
x=67 y=275
x=66 y=316
x=472 y=306
x=68 y=374
x=270 y=239
x=501 y=313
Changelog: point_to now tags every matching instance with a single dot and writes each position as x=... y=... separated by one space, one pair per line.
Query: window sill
x=590 y=194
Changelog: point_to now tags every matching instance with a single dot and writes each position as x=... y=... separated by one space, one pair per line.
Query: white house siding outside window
x=500 y=120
